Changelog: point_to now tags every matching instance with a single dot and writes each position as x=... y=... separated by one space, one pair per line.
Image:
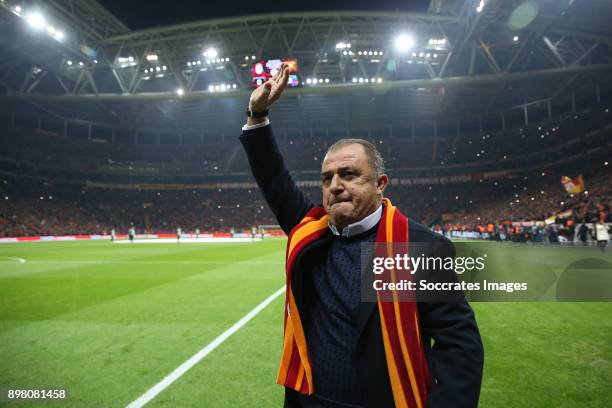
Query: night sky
x=140 y=14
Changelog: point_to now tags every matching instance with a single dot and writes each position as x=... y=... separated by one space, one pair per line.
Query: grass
x=109 y=321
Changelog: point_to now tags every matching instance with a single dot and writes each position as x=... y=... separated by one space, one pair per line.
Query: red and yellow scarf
x=406 y=364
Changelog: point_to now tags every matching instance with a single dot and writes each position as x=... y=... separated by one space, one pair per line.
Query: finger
x=284 y=80
x=279 y=73
x=285 y=74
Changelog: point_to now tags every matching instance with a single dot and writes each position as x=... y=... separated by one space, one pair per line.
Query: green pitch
x=109 y=321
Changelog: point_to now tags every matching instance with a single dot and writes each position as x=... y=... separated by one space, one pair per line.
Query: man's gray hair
x=375 y=158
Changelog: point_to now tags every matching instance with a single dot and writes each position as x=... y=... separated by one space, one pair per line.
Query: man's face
x=351 y=190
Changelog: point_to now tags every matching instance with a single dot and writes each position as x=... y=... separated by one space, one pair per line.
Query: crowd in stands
x=29 y=207
x=549 y=140
x=43 y=187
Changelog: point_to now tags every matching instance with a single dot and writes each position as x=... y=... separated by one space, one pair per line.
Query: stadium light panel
x=515 y=38
x=180 y=92
x=18 y=9
x=152 y=57
x=404 y=42
x=35 y=20
x=480 y=6
x=211 y=53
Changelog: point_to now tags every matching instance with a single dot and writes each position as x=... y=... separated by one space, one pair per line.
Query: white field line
x=196 y=358
x=13 y=259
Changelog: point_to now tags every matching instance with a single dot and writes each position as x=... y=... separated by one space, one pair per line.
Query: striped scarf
x=406 y=364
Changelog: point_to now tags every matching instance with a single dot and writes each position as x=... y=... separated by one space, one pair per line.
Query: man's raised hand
x=269 y=91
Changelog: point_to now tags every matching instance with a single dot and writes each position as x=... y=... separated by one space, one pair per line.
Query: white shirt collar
x=360 y=226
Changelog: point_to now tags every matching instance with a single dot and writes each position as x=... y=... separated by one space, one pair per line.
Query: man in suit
x=344 y=337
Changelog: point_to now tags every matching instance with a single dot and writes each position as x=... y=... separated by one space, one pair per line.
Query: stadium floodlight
x=18 y=10
x=69 y=63
x=35 y=20
x=404 y=42
x=354 y=80
x=59 y=36
x=152 y=57
x=515 y=38
x=211 y=53
x=158 y=69
x=211 y=88
x=180 y=92
x=480 y=6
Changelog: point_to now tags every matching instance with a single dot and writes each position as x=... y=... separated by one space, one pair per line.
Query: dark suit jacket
x=449 y=332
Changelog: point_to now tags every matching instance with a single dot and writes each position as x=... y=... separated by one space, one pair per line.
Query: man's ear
x=382 y=183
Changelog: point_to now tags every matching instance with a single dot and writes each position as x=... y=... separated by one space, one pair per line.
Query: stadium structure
x=485 y=91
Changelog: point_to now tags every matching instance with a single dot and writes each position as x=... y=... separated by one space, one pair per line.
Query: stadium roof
x=461 y=58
